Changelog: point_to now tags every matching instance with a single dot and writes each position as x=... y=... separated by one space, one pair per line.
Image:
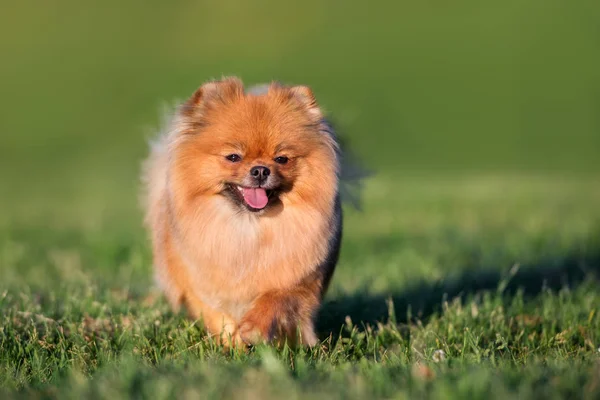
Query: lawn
x=471 y=270
x=482 y=287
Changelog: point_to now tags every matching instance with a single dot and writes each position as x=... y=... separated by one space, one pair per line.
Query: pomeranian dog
x=243 y=208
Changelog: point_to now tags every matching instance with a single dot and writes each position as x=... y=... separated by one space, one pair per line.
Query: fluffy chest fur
x=232 y=257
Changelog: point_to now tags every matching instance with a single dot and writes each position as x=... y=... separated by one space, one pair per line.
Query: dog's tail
x=353 y=171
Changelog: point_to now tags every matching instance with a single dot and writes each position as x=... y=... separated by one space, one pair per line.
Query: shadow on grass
x=424 y=298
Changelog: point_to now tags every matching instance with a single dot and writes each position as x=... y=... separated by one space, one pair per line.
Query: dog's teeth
x=240 y=188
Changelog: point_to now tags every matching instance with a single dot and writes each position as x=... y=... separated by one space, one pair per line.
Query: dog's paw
x=255 y=328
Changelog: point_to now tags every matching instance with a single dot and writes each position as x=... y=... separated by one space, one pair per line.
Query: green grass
x=499 y=274
x=479 y=237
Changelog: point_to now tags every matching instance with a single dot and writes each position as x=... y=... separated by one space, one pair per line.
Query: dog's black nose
x=260 y=173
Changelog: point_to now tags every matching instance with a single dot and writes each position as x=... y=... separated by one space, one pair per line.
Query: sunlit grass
x=492 y=283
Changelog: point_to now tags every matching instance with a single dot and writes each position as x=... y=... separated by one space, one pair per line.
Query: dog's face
x=254 y=152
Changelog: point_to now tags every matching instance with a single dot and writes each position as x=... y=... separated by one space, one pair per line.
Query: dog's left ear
x=213 y=93
x=305 y=96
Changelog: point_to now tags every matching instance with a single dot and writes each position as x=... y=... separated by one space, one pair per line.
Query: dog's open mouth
x=254 y=198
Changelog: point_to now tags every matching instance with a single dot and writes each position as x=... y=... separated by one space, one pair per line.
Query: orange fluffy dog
x=243 y=208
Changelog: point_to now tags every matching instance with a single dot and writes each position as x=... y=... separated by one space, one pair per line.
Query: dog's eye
x=281 y=160
x=234 y=157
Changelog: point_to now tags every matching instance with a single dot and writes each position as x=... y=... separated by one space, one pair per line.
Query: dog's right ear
x=304 y=95
x=213 y=92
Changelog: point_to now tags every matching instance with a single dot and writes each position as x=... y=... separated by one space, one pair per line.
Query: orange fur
x=253 y=275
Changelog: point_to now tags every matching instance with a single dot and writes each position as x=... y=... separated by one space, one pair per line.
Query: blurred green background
x=421 y=87
x=480 y=119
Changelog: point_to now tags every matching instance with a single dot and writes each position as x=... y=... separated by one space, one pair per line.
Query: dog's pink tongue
x=255 y=197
